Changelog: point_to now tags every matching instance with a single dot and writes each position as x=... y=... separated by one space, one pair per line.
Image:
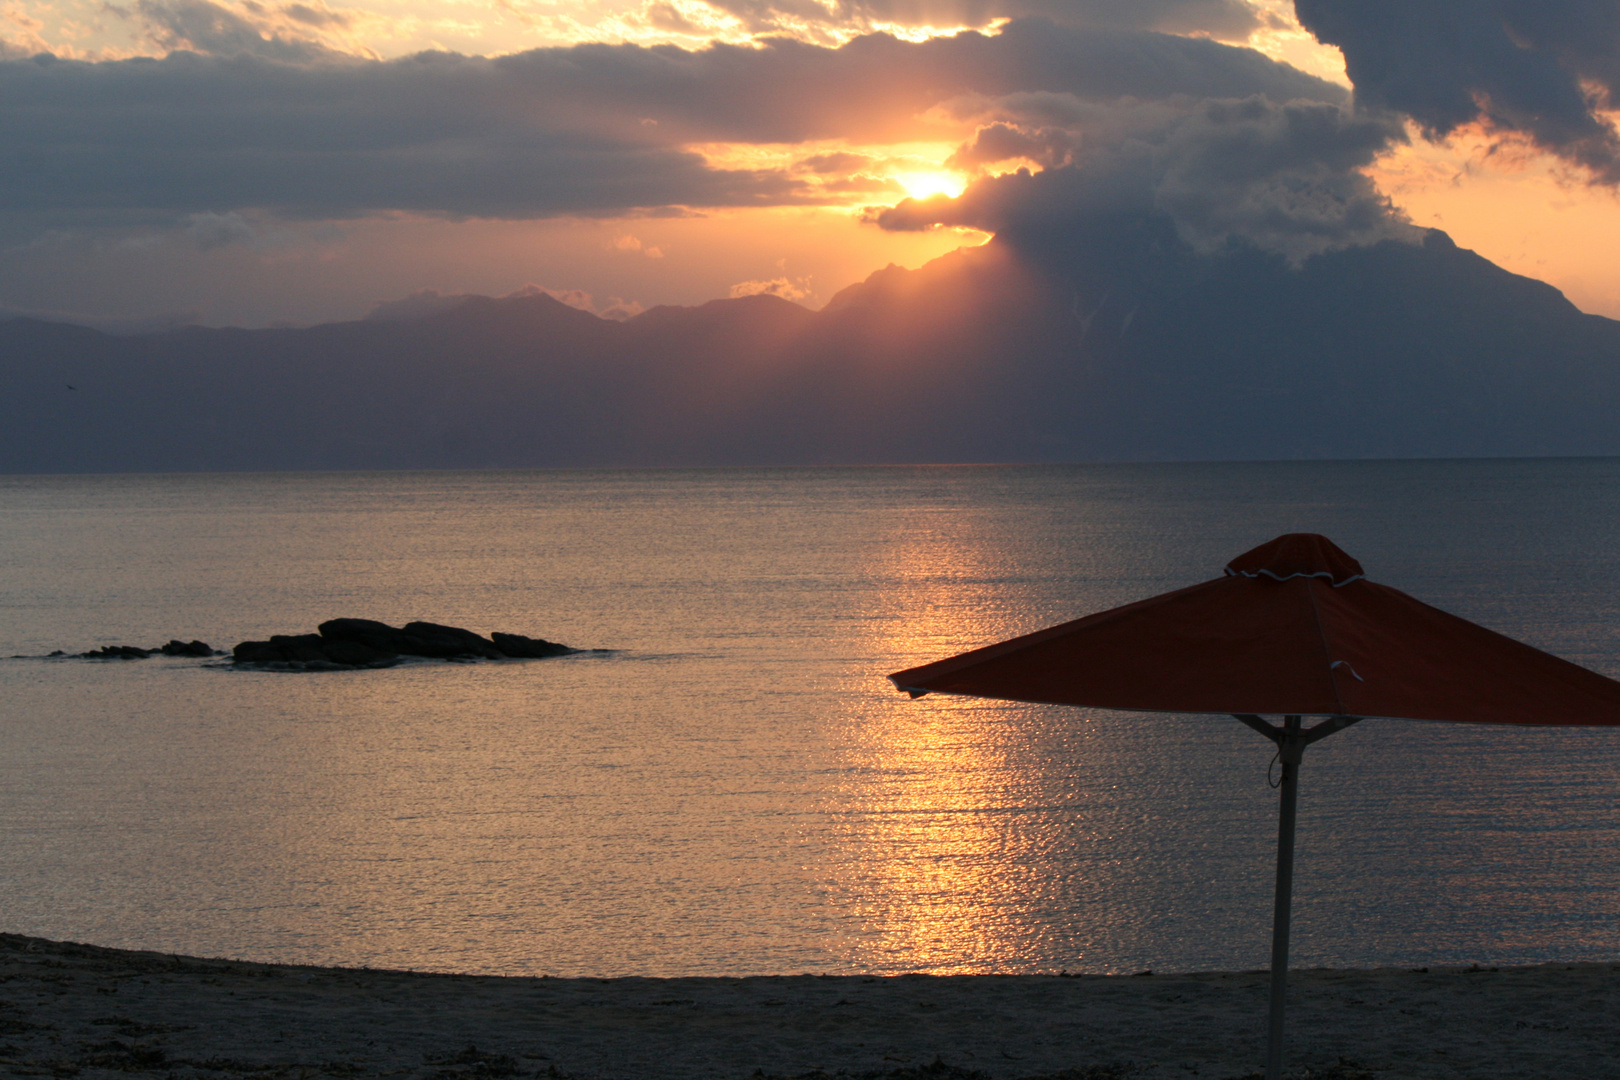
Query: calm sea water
x=735 y=788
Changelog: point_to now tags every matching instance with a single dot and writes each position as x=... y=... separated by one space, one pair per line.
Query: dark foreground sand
x=76 y=1010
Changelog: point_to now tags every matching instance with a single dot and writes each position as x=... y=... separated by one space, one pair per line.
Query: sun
x=921 y=185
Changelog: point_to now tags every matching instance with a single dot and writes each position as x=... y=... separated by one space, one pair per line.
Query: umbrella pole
x=1283 y=909
x=1291 y=740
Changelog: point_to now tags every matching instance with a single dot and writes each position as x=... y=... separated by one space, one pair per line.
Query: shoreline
x=80 y=1010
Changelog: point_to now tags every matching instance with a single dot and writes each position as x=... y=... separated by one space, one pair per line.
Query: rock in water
x=416 y=639
x=256 y=652
x=460 y=642
x=368 y=643
x=528 y=648
x=312 y=650
x=117 y=652
x=176 y=647
x=376 y=635
x=305 y=648
x=356 y=654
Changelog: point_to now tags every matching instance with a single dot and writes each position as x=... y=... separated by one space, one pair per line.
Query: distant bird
x=70 y=386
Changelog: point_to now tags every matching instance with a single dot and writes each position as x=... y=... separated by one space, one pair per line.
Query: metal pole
x=1291 y=749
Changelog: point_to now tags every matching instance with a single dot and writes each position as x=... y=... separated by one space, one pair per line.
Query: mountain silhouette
x=1124 y=344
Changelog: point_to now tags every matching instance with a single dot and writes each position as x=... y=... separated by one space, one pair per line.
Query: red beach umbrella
x=1293 y=629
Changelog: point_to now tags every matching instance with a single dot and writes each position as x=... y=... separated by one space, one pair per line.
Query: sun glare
x=921 y=185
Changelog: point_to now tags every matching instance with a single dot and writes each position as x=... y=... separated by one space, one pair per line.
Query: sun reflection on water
x=943 y=808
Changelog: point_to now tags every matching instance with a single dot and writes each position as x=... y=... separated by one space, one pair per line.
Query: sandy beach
x=78 y=1010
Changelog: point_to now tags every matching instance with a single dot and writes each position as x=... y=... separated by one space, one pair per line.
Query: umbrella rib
x=1327 y=648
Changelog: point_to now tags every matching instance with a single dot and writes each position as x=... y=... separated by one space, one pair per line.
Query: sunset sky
x=259 y=162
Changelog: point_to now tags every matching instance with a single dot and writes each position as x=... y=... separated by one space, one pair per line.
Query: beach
x=79 y=1010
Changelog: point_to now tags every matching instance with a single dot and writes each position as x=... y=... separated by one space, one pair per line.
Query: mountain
x=1130 y=346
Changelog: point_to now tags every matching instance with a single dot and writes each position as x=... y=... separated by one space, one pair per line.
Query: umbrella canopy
x=1293 y=628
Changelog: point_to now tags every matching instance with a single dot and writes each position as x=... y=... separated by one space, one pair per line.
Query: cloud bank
x=1228 y=20
x=1542 y=69
x=1282 y=178
x=597 y=130
x=112 y=29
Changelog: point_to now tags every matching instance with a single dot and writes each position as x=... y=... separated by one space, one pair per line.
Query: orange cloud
x=795 y=290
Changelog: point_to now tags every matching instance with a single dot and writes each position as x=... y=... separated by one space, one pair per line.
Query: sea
x=725 y=783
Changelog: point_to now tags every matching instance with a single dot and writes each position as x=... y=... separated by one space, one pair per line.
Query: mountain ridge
x=1127 y=347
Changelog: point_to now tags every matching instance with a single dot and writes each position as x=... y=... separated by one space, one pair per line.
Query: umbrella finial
x=1294 y=555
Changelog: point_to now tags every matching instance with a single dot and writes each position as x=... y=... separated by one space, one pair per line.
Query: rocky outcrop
x=116 y=652
x=528 y=648
x=359 y=643
x=175 y=647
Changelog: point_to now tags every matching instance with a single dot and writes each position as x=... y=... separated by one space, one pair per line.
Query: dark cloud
x=873 y=88
x=1282 y=178
x=593 y=129
x=1228 y=20
x=210 y=230
x=201 y=26
x=668 y=17
x=1285 y=178
x=1001 y=141
x=1540 y=68
x=316 y=15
